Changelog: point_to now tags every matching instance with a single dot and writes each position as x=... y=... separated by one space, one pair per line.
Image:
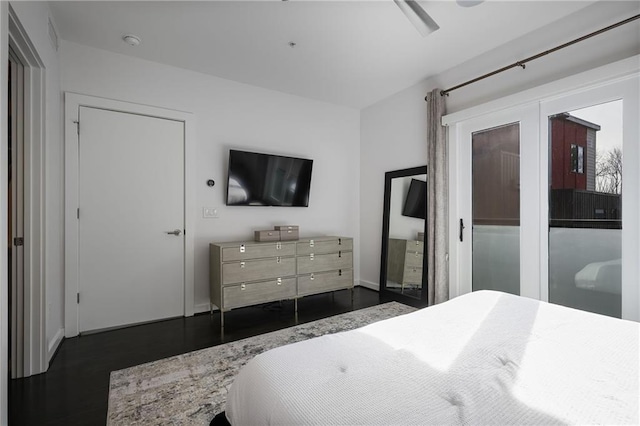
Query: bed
x=482 y=358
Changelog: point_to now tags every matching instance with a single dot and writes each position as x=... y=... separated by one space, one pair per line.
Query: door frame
x=583 y=84
x=527 y=117
x=72 y=104
x=35 y=356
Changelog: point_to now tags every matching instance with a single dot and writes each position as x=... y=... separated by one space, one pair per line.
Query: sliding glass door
x=592 y=158
x=545 y=199
x=494 y=180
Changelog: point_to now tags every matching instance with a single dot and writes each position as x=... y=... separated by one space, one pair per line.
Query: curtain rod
x=522 y=63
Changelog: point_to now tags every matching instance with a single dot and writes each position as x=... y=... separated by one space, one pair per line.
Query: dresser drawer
x=259 y=292
x=412 y=275
x=325 y=281
x=413 y=259
x=254 y=251
x=415 y=246
x=258 y=269
x=324 y=262
x=325 y=246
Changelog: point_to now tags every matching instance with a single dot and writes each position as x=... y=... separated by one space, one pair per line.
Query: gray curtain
x=437 y=201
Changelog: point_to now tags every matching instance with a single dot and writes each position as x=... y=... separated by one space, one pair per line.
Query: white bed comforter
x=482 y=358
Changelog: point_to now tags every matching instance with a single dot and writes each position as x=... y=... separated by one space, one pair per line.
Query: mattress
x=482 y=358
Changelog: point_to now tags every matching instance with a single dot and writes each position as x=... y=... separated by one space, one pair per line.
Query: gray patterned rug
x=190 y=389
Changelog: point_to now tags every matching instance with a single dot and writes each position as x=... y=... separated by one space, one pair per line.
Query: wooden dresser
x=405 y=259
x=245 y=273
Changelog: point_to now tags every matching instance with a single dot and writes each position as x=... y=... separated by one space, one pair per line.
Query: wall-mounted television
x=268 y=180
x=415 y=204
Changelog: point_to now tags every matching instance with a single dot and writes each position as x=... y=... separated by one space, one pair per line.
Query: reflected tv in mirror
x=415 y=204
x=268 y=180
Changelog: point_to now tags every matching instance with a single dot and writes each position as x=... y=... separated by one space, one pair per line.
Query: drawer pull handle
x=279 y=281
x=339 y=272
x=311 y=243
x=311 y=256
x=242 y=264
x=278 y=259
x=417 y=243
x=417 y=254
x=340 y=254
x=278 y=245
x=312 y=277
x=242 y=248
x=243 y=287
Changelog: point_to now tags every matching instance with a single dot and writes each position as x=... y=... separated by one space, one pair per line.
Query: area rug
x=190 y=389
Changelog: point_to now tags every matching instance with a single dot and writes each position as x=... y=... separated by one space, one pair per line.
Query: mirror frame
x=384 y=292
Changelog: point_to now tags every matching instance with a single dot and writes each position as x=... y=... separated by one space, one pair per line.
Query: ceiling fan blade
x=417 y=16
x=469 y=3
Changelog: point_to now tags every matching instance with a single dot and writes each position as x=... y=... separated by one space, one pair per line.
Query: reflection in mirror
x=403 y=238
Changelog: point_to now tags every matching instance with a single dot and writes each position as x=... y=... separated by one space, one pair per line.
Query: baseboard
x=203 y=307
x=369 y=285
x=54 y=344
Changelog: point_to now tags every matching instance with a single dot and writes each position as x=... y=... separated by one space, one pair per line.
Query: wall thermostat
x=211 y=182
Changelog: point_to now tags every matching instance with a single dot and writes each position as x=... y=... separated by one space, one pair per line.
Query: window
x=570 y=174
x=577 y=158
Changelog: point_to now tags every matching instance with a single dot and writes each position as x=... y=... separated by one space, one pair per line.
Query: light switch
x=210 y=213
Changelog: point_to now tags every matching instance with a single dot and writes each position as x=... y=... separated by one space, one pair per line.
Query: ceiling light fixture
x=417 y=16
x=131 y=39
x=292 y=44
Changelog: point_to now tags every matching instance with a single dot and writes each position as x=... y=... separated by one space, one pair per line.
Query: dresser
x=404 y=265
x=246 y=273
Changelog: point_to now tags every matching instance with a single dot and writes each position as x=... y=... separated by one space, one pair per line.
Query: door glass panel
x=496 y=209
x=585 y=206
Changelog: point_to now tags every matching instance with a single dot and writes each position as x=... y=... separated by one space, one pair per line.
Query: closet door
x=592 y=229
x=497 y=189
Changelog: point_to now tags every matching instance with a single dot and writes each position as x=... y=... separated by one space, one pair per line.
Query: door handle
x=175 y=232
x=461 y=228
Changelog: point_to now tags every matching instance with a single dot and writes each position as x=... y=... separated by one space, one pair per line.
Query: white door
x=131 y=218
x=549 y=196
x=497 y=175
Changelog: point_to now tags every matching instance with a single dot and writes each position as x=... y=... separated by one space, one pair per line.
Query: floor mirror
x=403 y=263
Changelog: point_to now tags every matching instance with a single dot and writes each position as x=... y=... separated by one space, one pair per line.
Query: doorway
x=24 y=197
x=15 y=214
x=539 y=189
x=497 y=212
x=130 y=214
x=130 y=218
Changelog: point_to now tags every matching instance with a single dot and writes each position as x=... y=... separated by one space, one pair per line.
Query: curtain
x=437 y=201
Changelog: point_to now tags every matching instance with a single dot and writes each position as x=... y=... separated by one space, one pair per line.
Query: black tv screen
x=415 y=205
x=268 y=180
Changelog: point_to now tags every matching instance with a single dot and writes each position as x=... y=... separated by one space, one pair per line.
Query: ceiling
x=350 y=53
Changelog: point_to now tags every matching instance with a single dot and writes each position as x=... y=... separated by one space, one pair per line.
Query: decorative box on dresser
x=251 y=273
x=405 y=261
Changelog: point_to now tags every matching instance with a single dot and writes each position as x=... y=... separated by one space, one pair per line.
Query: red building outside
x=573 y=153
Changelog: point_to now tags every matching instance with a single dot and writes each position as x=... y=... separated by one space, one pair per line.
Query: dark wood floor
x=75 y=389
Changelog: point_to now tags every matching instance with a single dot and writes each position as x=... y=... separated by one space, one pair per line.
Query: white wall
x=34 y=17
x=393 y=131
x=234 y=115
